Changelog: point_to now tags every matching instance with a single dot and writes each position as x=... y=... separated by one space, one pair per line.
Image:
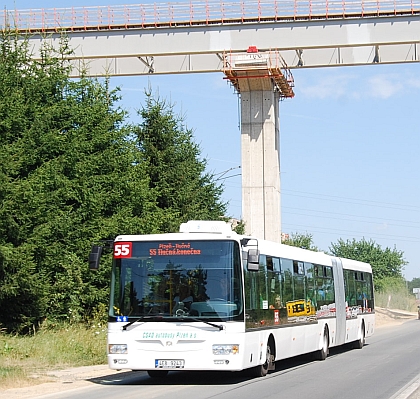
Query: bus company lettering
x=174 y=249
x=169 y=335
x=326 y=311
x=352 y=312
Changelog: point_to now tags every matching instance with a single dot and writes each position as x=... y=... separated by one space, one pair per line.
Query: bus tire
x=262 y=369
x=157 y=373
x=322 y=353
x=361 y=341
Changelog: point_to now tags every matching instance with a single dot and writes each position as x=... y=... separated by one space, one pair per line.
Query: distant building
x=284 y=237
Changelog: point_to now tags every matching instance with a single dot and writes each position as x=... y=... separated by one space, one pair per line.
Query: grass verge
x=24 y=360
x=396 y=300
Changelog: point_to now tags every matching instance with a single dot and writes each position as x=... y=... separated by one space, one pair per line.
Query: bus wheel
x=323 y=352
x=361 y=341
x=157 y=373
x=262 y=370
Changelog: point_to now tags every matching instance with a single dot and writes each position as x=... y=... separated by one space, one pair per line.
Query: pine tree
x=68 y=177
x=178 y=177
x=73 y=172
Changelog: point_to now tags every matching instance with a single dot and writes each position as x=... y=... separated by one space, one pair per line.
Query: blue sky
x=350 y=145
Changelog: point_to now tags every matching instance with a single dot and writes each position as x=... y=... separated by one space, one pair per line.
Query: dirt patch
x=391 y=317
x=61 y=380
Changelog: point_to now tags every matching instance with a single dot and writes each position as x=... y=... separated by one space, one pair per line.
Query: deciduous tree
x=386 y=263
x=300 y=240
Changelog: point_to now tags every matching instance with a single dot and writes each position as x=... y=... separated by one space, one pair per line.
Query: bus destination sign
x=177 y=249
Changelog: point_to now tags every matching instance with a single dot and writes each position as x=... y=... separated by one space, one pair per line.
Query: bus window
x=369 y=290
x=299 y=280
x=349 y=277
x=287 y=272
x=269 y=262
x=359 y=290
x=275 y=281
x=329 y=285
x=310 y=288
x=323 y=286
x=298 y=267
x=256 y=294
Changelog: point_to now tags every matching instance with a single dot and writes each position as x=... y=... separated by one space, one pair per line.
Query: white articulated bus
x=207 y=298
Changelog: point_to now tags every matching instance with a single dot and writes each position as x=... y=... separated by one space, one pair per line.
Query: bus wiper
x=141 y=319
x=202 y=321
x=125 y=326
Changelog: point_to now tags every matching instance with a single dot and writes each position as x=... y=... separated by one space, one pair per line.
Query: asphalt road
x=388 y=367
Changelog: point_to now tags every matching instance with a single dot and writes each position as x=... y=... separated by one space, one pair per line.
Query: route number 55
x=122 y=250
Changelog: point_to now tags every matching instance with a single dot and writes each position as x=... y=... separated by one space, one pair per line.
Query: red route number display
x=123 y=249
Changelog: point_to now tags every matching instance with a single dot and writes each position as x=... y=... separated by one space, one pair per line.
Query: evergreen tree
x=177 y=174
x=68 y=177
x=72 y=173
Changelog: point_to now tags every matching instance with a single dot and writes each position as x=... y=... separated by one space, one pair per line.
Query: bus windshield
x=177 y=279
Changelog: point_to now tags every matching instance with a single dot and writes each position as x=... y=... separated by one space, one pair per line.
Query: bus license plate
x=169 y=364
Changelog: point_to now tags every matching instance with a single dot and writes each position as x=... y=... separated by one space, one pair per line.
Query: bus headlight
x=228 y=349
x=117 y=349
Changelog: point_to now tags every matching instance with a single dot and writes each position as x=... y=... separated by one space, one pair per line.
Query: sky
x=349 y=152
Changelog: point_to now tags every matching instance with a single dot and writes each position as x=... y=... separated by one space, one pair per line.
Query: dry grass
x=53 y=347
x=396 y=300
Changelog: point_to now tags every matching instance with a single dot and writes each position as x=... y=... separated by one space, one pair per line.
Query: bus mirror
x=95 y=257
x=253 y=262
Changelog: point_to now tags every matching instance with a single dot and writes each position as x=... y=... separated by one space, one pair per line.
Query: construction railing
x=204 y=12
x=256 y=65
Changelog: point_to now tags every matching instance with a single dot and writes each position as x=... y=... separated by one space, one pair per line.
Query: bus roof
x=220 y=230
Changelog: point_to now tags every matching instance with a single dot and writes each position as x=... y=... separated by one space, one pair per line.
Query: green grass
x=51 y=348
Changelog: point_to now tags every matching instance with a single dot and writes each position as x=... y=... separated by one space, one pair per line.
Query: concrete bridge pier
x=260 y=144
x=261 y=79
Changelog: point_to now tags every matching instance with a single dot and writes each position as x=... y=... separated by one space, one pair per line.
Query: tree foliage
x=300 y=240
x=387 y=264
x=73 y=172
x=178 y=177
x=414 y=283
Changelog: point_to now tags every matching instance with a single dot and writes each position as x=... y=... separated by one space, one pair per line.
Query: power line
x=352 y=232
x=374 y=221
x=355 y=201
x=221 y=174
x=228 y=177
